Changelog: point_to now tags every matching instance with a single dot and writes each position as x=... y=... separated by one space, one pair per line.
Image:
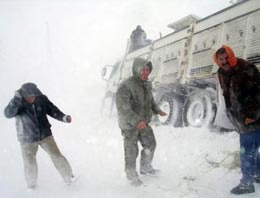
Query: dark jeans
x=249 y=156
x=147 y=140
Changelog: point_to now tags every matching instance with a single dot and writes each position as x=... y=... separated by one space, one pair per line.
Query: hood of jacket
x=29 y=89
x=231 y=56
x=139 y=64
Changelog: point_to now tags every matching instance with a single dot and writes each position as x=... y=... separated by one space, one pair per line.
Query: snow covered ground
x=187 y=157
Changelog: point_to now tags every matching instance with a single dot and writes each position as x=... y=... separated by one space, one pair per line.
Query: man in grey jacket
x=30 y=109
x=135 y=106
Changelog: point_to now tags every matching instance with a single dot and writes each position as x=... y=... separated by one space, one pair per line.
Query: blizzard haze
x=62 y=45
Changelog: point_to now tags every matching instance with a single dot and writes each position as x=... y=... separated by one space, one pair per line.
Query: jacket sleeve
x=253 y=74
x=155 y=107
x=13 y=107
x=52 y=110
x=123 y=104
x=251 y=106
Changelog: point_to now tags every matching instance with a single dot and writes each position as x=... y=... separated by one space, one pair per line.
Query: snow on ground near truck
x=194 y=162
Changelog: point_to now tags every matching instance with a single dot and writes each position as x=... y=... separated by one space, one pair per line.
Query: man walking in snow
x=240 y=82
x=30 y=109
x=135 y=106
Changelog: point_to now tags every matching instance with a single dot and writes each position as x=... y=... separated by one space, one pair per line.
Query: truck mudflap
x=222 y=120
x=108 y=108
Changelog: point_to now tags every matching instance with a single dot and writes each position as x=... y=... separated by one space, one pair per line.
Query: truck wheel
x=172 y=106
x=108 y=105
x=199 y=110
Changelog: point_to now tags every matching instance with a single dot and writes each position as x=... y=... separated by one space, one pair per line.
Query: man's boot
x=257 y=179
x=133 y=177
x=136 y=182
x=243 y=189
x=149 y=170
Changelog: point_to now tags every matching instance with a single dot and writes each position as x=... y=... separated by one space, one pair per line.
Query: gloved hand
x=17 y=94
x=67 y=118
x=17 y=100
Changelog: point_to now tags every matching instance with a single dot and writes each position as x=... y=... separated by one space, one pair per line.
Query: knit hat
x=29 y=89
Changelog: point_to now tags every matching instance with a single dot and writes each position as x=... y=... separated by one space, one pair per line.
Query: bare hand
x=161 y=113
x=249 y=121
x=141 y=125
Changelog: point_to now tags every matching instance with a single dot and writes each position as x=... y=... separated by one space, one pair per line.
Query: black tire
x=199 y=110
x=172 y=105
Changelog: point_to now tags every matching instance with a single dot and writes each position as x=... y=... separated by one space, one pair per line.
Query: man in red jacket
x=240 y=82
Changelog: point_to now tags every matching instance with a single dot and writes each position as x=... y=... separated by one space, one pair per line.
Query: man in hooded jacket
x=135 y=106
x=240 y=83
x=30 y=109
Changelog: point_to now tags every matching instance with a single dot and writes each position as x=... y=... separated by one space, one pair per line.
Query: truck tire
x=199 y=110
x=171 y=105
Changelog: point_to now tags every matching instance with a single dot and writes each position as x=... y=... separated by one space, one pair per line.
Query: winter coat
x=241 y=91
x=138 y=38
x=32 y=124
x=134 y=98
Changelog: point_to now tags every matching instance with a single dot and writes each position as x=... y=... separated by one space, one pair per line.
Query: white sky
x=43 y=39
x=89 y=29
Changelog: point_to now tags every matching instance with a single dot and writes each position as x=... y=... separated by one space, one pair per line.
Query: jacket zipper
x=37 y=123
x=145 y=99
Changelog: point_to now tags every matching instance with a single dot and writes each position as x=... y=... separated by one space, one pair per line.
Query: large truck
x=183 y=74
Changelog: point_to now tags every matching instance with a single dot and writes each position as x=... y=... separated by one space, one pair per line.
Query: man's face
x=223 y=61
x=30 y=99
x=144 y=73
